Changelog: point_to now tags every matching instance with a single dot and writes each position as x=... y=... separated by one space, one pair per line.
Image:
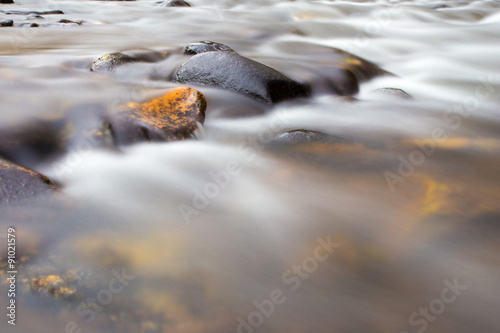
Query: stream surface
x=228 y=232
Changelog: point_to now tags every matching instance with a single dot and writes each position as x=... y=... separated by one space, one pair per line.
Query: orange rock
x=173 y=116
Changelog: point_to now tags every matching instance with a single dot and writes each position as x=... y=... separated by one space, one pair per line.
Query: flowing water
x=227 y=232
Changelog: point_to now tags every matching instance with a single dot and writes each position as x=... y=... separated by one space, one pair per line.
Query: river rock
x=302 y=136
x=34 y=17
x=173 y=116
x=109 y=62
x=234 y=72
x=29 y=25
x=394 y=92
x=19 y=184
x=206 y=46
x=43 y=139
x=7 y=23
x=28 y=12
x=175 y=3
x=66 y=21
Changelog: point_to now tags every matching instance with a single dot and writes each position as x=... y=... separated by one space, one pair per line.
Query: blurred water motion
x=227 y=233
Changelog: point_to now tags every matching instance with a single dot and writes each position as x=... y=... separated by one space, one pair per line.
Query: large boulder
x=234 y=72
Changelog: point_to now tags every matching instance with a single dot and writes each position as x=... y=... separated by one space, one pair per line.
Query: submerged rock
x=109 y=62
x=34 y=17
x=42 y=140
x=234 y=72
x=173 y=116
x=394 y=92
x=7 y=23
x=361 y=68
x=206 y=46
x=302 y=136
x=30 y=25
x=175 y=3
x=335 y=80
x=18 y=184
x=66 y=21
x=28 y=12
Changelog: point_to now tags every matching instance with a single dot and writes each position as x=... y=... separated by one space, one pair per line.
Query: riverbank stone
x=234 y=72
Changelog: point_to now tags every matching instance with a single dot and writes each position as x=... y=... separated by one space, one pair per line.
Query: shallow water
x=407 y=192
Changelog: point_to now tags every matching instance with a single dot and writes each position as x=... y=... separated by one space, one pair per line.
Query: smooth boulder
x=231 y=71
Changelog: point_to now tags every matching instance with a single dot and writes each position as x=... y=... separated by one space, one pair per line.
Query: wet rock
x=43 y=140
x=302 y=136
x=173 y=116
x=28 y=12
x=7 y=23
x=19 y=184
x=65 y=21
x=206 y=46
x=30 y=143
x=34 y=17
x=109 y=62
x=175 y=3
x=29 y=25
x=334 y=80
x=363 y=69
x=234 y=72
x=394 y=92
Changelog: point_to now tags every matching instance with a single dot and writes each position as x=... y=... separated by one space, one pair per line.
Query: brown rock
x=173 y=116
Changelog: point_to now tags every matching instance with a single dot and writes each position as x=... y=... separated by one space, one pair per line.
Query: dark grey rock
x=175 y=3
x=8 y=23
x=234 y=72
